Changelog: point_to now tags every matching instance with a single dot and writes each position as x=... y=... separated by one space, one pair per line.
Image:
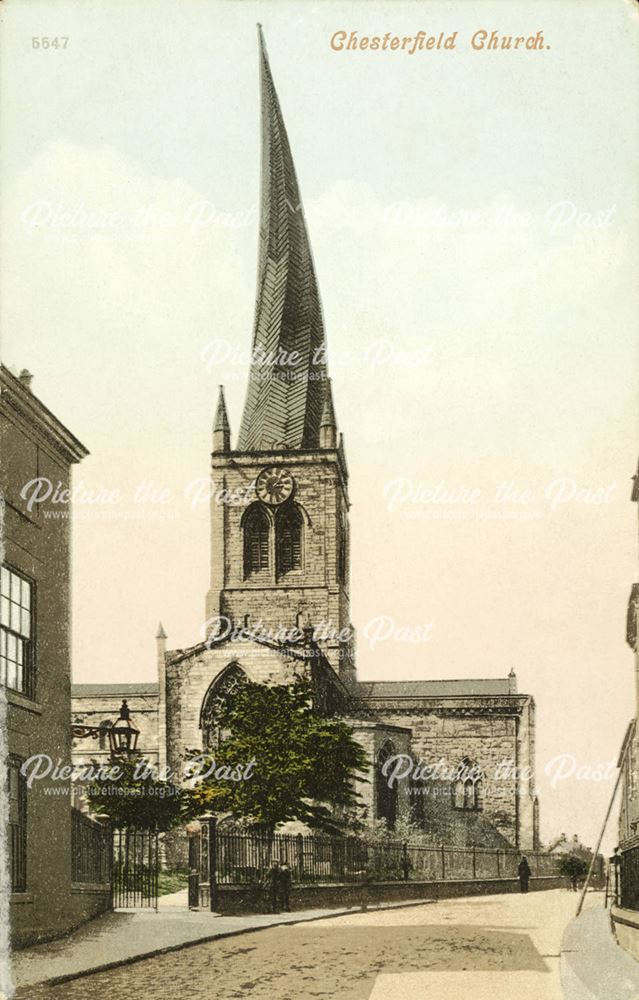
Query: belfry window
x=256 y=540
x=288 y=531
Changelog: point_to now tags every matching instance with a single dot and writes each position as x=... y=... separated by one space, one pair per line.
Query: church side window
x=385 y=796
x=221 y=690
x=288 y=530
x=467 y=788
x=417 y=792
x=256 y=541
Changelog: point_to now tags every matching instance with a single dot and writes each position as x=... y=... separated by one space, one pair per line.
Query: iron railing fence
x=90 y=850
x=244 y=858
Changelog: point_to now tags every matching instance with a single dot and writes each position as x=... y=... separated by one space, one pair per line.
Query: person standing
x=286 y=878
x=615 y=869
x=523 y=871
x=272 y=884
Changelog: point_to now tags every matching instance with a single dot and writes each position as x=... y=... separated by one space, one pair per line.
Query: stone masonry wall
x=314 y=590
x=453 y=733
x=188 y=680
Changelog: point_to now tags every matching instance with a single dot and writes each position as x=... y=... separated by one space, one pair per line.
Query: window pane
x=15 y=617
x=15 y=631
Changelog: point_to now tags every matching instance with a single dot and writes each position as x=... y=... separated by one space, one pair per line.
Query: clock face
x=274 y=485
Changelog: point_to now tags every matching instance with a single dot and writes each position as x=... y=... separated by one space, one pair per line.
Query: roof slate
x=95 y=690
x=434 y=689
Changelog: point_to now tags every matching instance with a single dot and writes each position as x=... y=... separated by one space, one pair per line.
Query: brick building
x=49 y=892
x=278 y=602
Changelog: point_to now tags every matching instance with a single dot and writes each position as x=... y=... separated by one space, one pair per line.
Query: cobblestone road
x=498 y=948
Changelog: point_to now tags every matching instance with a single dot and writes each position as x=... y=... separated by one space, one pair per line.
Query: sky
x=473 y=219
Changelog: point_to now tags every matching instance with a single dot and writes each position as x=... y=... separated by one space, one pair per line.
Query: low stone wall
x=89 y=900
x=84 y=902
x=251 y=899
x=625 y=924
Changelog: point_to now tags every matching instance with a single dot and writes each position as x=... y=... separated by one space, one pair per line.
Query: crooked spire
x=287 y=379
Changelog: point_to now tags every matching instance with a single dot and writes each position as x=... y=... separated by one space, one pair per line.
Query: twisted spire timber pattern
x=287 y=381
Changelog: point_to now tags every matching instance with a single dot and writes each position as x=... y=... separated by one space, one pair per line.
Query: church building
x=278 y=601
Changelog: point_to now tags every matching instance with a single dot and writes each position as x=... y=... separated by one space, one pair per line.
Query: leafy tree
x=284 y=761
x=574 y=867
x=132 y=796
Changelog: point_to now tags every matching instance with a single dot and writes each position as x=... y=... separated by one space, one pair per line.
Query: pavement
x=501 y=947
x=125 y=936
x=593 y=965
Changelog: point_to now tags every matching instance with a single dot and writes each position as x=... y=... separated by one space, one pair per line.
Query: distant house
x=569 y=845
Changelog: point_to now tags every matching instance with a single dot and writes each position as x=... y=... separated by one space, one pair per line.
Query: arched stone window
x=257 y=545
x=103 y=736
x=289 y=529
x=467 y=786
x=222 y=688
x=385 y=797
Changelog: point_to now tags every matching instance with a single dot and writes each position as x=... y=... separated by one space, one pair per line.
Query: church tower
x=279 y=509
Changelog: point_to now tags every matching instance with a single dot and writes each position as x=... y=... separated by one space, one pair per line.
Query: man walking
x=272 y=882
x=286 y=877
x=524 y=873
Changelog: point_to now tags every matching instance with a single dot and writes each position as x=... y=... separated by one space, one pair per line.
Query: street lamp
x=123 y=736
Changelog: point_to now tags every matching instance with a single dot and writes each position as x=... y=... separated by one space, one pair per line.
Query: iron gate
x=134 y=878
